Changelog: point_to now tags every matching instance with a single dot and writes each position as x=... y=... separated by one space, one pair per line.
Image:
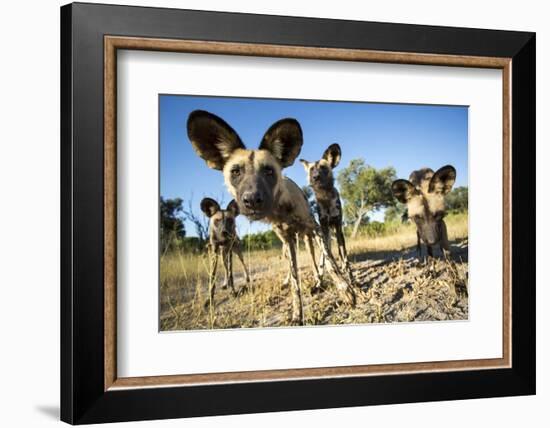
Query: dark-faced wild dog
x=223 y=240
x=424 y=194
x=329 y=206
x=255 y=179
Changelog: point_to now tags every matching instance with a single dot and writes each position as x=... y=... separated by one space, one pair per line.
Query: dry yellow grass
x=457 y=226
x=397 y=287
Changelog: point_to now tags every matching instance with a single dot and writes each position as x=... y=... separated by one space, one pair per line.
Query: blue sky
x=405 y=136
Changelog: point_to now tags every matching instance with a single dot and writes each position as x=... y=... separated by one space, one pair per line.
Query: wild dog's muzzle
x=253 y=200
x=256 y=197
x=430 y=233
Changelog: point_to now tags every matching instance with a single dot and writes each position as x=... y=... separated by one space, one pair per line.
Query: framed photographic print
x=264 y=213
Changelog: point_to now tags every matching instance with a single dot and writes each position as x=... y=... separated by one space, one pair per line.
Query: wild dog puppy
x=255 y=179
x=424 y=193
x=329 y=206
x=223 y=240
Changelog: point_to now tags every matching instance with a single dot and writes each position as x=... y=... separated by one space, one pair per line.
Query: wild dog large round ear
x=333 y=154
x=403 y=190
x=212 y=138
x=305 y=163
x=443 y=180
x=421 y=177
x=233 y=207
x=209 y=207
x=284 y=141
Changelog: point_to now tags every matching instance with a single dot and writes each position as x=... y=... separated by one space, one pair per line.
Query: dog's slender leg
x=431 y=262
x=286 y=256
x=223 y=253
x=342 y=284
x=343 y=252
x=444 y=243
x=322 y=264
x=325 y=233
x=297 y=304
x=325 y=230
x=311 y=248
x=227 y=258
x=225 y=282
x=230 y=270
x=282 y=236
x=418 y=246
x=238 y=251
x=212 y=279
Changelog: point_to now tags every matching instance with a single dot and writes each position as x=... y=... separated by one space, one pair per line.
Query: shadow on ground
x=459 y=253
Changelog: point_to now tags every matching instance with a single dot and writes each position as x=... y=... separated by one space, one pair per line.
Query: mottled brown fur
x=255 y=179
x=329 y=207
x=224 y=241
x=424 y=194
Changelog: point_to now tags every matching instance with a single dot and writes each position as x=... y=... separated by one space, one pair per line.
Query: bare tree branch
x=199 y=221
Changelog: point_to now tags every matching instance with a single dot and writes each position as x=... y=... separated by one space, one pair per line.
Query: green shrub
x=261 y=241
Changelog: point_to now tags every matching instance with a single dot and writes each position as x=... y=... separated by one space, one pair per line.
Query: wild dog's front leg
x=213 y=253
x=444 y=243
x=297 y=304
x=343 y=252
x=311 y=248
x=430 y=251
x=418 y=246
x=325 y=234
x=238 y=251
x=286 y=256
x=342 y=284
x=227 y=258
x=431 y=262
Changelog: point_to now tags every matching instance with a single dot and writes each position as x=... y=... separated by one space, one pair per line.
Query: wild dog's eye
x=235 y=171
x=267 y=170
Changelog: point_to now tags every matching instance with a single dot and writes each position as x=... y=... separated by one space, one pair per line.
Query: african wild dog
x=223 y=240
x=424 y=194
x=255 y=179
x=329 y=206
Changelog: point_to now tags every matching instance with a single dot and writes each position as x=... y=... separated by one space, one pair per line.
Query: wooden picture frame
x=91 y=390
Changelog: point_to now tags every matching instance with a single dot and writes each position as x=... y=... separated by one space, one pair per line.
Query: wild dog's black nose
x=253 y=200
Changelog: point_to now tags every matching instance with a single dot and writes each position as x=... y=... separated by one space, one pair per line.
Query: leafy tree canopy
x=172 y=227
x=457 y=199
x=364 y=189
